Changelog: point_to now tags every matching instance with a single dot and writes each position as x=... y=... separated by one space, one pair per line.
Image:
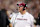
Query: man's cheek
x=21 y=8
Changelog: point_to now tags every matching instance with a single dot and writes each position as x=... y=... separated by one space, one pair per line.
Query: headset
x=24 y=7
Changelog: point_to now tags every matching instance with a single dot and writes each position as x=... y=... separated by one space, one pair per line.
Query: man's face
x=20 y=8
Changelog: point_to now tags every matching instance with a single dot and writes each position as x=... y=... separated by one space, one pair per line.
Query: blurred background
x=33 y=7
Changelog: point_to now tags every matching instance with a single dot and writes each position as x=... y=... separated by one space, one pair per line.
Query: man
x=23 y=18
x=4 y=22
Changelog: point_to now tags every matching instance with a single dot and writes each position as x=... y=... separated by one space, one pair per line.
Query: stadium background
x=33 y=7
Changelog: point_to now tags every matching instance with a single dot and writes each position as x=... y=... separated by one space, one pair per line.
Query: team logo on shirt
x=20 y=19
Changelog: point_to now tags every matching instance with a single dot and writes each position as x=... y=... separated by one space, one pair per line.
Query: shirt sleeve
x=12 y=21
x=13 y=18
x=32 y=21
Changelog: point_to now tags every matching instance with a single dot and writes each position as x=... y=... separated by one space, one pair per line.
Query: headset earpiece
x=17 y=4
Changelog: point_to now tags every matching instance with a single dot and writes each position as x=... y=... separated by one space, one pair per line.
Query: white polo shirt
x=19 y=20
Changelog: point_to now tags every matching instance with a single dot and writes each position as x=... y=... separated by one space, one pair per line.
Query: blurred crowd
x=10 y=6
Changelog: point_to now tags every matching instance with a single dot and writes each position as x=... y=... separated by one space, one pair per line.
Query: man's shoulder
x=30 y=15
x=15 y=14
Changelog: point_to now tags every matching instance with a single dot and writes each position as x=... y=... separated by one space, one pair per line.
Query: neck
x=23 y=12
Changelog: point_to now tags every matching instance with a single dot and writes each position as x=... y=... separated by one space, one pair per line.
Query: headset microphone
x=24 y=7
